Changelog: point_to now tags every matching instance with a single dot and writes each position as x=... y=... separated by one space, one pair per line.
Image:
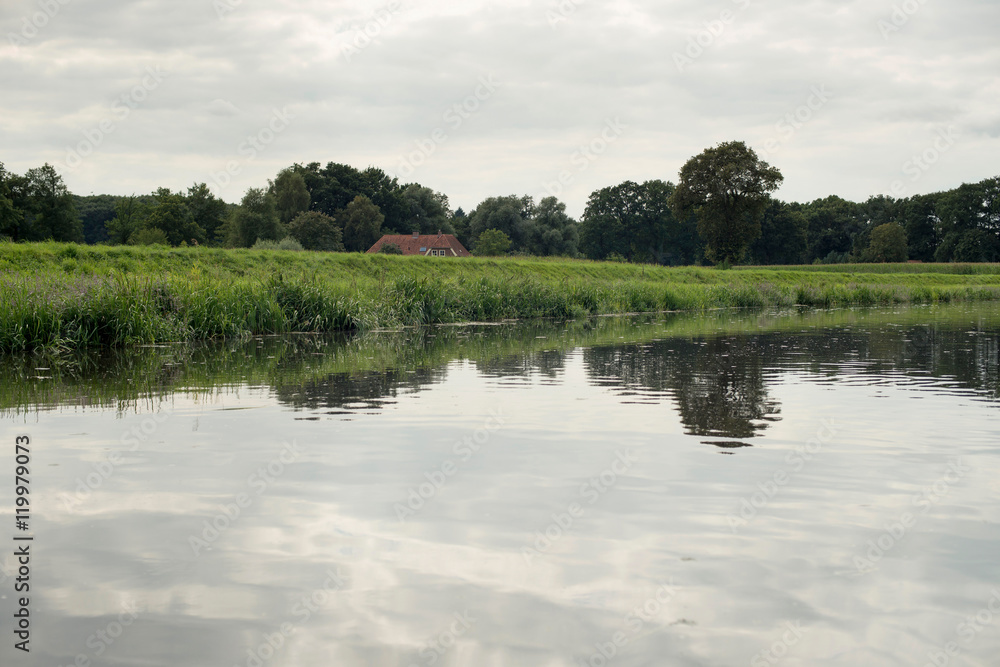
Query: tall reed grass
x=68 y=296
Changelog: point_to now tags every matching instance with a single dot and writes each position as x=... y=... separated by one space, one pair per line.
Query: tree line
x=721 y=210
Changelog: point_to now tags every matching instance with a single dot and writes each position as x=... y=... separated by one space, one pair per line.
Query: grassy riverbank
x=65 y=295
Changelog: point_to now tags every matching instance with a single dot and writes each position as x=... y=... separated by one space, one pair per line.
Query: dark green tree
x=362 y=224
x=170 y=214
x=508 y=214
x=460 y=223
x=635 y=221
x=427 y=211
x=386 y=193
x=95 y=211
x=727 y=188
x=551 y=232
x=604 y=230
x=834 y=223
x=963 y=208
x=207 y=211
x=317 y=231
x=130 y=215
x=977 y=245
x=255 y=218
x=919 y=219
x=291 y=196
x=48 y=207
x=991 y=204
x=10 y=217
x=887 y=244
x=784 y=235
x=333 y=187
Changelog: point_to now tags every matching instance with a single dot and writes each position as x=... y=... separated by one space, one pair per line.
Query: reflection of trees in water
x=721 y=392
x=922 y=354
x=548 y=363
x=718 y=384
x=357 y=391
x=368 y=390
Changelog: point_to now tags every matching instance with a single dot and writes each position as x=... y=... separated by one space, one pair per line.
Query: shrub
x=390 y=249
x=288 y=243
x=149 y=236
x=492 y=242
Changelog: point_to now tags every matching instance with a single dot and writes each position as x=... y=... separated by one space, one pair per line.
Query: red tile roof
x=411 y=245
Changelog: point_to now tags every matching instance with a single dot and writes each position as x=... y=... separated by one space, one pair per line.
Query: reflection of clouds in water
x=665 y=519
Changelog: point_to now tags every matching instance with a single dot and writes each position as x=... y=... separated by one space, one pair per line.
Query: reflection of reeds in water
x=64 y=296
x=377 y=364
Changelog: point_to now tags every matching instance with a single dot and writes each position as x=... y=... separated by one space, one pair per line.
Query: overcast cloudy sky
x=127 y=95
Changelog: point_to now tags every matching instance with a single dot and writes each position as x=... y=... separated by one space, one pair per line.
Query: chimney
x=416 y=235
x=439 y=232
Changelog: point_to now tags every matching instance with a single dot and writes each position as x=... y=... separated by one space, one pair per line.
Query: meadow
x=66 y=296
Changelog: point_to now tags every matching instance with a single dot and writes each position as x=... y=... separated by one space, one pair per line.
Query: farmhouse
x=430 y=245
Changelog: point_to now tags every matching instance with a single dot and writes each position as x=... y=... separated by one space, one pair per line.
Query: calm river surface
x=815 y=488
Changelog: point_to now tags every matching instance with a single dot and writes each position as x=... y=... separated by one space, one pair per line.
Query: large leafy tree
x=834 y=224
x=784 y=235
x=255 y=218
x=508 y=214
x=333 y=187
x=427 y=211
x=888 y=244
x=920 y=221
x=727 y=188
x=977 y=245
x=316 y=231
x=48 y=207
x=386 y=193
x=208 y=212
x=362 y=224
x=991 y=204
x=95 y=212
x=635 y=220
x=551 y=231
x=611 y=217
x=602 y=235
x=460 y=223
x=129 y=216
x=291 y=196
x=964 y=208
x=10 y=216
x=171 y=215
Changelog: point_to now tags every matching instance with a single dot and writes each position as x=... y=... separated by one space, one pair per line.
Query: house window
x=424 y=249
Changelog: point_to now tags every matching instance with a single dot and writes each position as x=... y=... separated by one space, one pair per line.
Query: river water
x=795 y=488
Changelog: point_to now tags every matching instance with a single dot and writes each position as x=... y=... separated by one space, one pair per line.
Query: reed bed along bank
x=66 y=295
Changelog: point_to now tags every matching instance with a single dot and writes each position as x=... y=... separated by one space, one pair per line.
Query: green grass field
x=65 y=295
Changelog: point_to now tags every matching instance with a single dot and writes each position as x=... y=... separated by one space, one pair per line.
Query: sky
x=477 y=98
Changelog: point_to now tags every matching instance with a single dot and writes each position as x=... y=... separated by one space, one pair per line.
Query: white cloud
x=560 y=82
